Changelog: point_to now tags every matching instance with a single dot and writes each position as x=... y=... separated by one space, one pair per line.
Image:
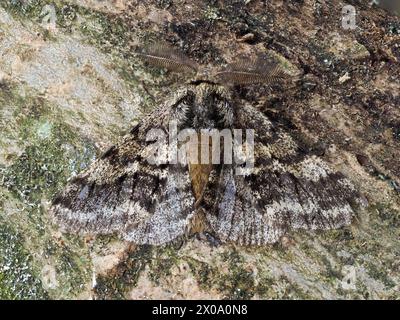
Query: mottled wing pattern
x=121 y=192
x=287 y=189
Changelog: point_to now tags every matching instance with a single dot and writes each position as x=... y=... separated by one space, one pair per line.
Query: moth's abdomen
x=200 y=164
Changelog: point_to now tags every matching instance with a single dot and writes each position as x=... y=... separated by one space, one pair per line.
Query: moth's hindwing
x=286 y=189
x=122 y=193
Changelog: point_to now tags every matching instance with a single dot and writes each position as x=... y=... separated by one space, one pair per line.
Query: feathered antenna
x=164 y=56
x=250 y=71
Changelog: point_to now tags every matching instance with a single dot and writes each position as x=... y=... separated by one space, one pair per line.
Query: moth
x=156 y=203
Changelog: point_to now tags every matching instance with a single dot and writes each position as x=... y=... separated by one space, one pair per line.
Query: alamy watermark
x=49 y=17
x=349 y=280
x=204 y=146
x=349 y=17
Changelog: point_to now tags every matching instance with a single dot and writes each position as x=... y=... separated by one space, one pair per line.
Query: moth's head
x=205 y=75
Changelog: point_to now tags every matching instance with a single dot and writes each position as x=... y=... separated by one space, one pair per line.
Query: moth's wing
x=286 y=189
x=122 y=193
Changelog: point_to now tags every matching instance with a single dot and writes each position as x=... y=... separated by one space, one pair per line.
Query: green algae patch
x=50 y=153
x=43 y=168
x=164 y=259
x=227 y=273
x=27 y=9
x=18 y=279
x=239 y=283
x=73 y=269
x=116 y=283
x=104 y=30
x=203 y=272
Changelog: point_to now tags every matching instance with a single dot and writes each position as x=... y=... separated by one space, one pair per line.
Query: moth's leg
x=201 y=229
x=178 y=242
x=212 y=239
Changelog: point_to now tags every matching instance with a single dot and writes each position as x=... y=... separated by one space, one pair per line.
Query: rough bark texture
x=69 y=87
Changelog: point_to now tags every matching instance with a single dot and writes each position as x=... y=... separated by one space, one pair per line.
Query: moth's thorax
x=206 y=74
x=211 y=106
